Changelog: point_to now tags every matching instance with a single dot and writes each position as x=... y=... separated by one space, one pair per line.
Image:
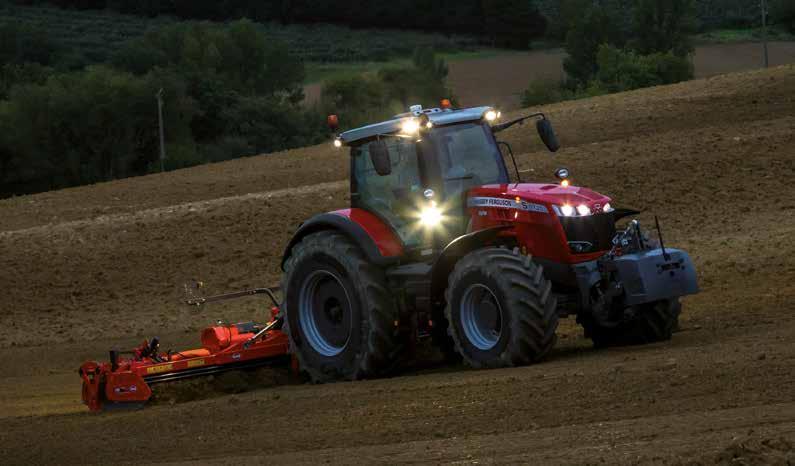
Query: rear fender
x=457 y=249
x=376 y=239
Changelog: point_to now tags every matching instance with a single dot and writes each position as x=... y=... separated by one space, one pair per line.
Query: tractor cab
x=414 y=171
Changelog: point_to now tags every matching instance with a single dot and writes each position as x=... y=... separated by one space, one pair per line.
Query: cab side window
x=391 y=197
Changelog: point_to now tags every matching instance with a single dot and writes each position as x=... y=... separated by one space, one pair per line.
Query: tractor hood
x=543 y=194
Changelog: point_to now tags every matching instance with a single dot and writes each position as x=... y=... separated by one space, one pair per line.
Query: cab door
x=466 y=156
x=395 y=197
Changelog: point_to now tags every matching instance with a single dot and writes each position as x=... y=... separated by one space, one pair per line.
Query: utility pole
x=764 y=30
x=159 y=96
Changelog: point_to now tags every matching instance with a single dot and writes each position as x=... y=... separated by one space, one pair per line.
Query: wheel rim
x=325 y=313
x=481 y=317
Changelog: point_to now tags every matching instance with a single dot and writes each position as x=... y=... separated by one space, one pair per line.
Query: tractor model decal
x=503 y=203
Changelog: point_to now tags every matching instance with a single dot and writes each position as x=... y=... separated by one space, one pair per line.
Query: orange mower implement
x=125 y=381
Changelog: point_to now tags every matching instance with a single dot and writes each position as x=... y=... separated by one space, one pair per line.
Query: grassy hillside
x=96 y=34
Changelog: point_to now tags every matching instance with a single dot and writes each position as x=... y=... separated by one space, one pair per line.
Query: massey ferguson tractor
x=438 y=242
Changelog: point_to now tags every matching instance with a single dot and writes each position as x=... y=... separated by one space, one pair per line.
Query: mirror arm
x=515 y=167
x=506 y=125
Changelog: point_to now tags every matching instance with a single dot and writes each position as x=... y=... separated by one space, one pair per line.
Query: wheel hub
x=481 y=317
x=325 y=313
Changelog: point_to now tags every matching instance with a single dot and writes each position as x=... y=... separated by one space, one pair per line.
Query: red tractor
x=440 y=242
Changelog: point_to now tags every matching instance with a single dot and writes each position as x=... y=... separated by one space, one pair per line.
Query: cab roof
x=437 y=116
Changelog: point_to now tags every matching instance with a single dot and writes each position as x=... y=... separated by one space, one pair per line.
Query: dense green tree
x=266 y=125
x=509 y=23
x=623 y=70
x=12 y=74
x=512 y=23
x=23 y=44
x=562 y=14
x=238 y=53
x=664 y=26
x=223 y=67
x=593 y=28
x=783 y=12
x=364 y=99
x=427 y=62
x=652 y=26
x=356 y=100
x=99 y=124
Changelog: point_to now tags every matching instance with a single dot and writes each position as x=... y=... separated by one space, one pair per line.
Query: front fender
x=457 y=249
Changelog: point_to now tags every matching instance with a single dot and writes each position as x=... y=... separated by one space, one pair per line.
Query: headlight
x=490 y=115
x=607 y=208
x=568 y=210
x=430 y=216
x=410 y=126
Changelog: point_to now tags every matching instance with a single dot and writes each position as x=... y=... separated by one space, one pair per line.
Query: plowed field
x=87 y=269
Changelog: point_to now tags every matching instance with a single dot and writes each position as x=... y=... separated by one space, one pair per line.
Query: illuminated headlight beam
x=410 y=126
x=430 y=216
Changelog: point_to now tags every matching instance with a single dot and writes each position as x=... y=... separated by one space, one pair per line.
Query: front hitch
x=637 y=270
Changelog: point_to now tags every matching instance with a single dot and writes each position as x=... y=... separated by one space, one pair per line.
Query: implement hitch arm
x=237 y=294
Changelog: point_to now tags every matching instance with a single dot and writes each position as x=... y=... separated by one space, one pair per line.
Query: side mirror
x=379 y=155
x=547 y=134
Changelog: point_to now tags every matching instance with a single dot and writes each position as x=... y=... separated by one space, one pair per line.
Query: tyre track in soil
x=692 y=397
x=710 y=157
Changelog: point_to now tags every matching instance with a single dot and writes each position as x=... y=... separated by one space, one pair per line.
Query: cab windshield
x=467 y=155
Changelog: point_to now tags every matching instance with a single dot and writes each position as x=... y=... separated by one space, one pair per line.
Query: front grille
x=590 y=233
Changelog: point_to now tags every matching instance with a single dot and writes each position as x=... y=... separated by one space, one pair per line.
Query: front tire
x=340 y=316
x=500 y=309
x=642 y=324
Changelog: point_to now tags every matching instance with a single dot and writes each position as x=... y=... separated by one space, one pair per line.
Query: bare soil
x=87 y=269
x=501 y=80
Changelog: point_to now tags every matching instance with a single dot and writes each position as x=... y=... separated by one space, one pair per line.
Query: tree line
x=504 y=23
x=619 y=45
x=228 y=91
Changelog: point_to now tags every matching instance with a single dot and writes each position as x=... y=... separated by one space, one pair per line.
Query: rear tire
x=500 y=309
x=642 y=324
x=340 y=315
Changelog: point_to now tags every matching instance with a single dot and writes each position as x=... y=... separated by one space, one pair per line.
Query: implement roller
x=125 y=381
